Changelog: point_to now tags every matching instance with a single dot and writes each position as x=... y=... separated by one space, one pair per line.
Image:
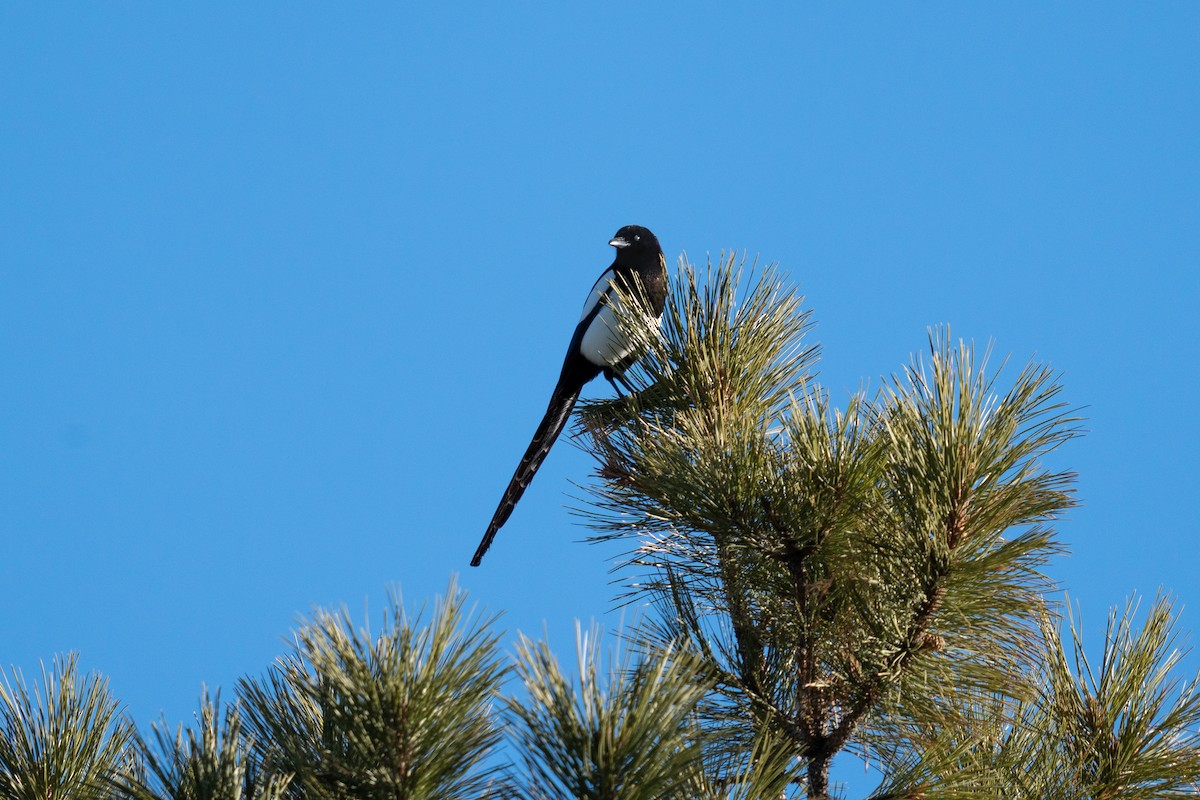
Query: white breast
x=603 y=344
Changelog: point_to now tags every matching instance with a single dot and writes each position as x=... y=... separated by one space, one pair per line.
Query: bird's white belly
x=603 y=343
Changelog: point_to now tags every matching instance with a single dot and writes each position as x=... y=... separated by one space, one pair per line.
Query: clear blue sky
x=285 y=288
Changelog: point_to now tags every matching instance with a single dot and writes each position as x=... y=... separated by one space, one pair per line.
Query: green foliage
x=846 y=573
x=405 y=714
x=953 y=562
x=63 y=740
x=765 y=768
x=211 y=764
x=1125 y=728
x=623 y=735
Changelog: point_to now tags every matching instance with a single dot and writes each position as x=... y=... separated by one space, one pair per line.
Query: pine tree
x=853 y=579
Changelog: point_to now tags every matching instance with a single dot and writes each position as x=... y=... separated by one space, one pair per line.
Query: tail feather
x=557 y=414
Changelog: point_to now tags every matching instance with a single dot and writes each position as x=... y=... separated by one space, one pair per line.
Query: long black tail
x=561 y=403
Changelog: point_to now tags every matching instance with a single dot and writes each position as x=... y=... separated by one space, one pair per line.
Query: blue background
x=284 y=289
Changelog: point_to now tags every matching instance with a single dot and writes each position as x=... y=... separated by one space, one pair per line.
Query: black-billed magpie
x=597 y=346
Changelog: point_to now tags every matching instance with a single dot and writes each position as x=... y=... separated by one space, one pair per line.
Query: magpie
x=597 y=346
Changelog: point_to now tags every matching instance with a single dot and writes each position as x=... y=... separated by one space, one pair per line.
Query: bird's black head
x=635 y=239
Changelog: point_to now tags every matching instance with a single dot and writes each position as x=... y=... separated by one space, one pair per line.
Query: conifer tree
x=852 y=578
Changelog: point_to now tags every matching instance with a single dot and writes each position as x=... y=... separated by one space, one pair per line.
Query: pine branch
x=623 y=735
x=211 y=763
x=404 y=713
x=64 y=739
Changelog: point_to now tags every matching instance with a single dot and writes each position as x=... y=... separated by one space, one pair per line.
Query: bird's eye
x=637 y=238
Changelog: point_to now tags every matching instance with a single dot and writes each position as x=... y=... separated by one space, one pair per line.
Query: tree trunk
x=818 y=777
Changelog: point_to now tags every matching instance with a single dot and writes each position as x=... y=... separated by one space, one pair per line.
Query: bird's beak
x=619 y=242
